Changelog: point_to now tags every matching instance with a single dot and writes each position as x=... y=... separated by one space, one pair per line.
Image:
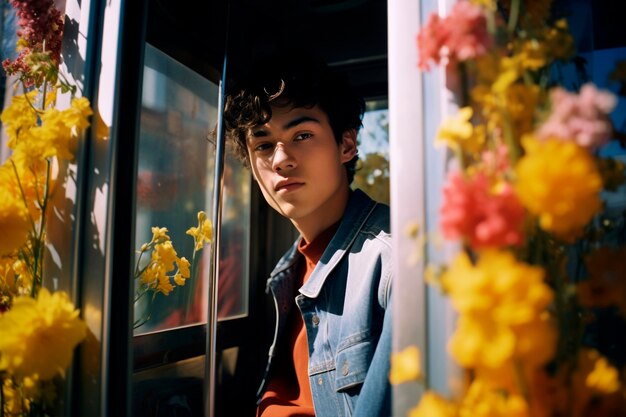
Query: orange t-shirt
x=289 y=392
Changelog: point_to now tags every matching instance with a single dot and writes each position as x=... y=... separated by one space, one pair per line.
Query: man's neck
x=310 y=227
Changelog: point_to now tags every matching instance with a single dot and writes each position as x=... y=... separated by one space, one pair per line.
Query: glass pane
x=235 y=240
x=372 y=175
x=174 y=182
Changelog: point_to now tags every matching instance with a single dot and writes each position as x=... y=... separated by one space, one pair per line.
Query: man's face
x=299 y=165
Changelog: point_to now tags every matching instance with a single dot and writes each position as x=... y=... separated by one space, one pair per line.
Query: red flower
x=473 y=211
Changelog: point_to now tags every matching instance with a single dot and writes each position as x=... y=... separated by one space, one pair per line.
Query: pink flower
x=471 y=210
x=582 y=118
x=460 y=36
x=430 y=41
x=467 y=32
x=41 y=28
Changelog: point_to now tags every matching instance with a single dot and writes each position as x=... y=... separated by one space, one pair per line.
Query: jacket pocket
x=352 y=364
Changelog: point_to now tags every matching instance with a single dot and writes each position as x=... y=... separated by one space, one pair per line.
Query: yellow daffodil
x=405 y=365
x=19 y=116
x=203 y=233
x=76 y=117
x=165 y=254
x=459 y=132
x=14 y=221
x=481 y=401
x=183 y=271
x=433 y=405
x=164 y=284
x=39 y=335
x=159 y=234
x=502 y=310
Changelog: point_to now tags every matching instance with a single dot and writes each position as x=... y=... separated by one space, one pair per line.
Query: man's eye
x=263 y=147
x=303 y=136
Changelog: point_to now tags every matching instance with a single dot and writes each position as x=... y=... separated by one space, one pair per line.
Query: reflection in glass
x=175 y=181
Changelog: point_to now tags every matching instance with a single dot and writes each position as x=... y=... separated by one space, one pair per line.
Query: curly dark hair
x=290 y=81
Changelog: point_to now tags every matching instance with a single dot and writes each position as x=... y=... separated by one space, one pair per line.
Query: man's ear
x=348 y=145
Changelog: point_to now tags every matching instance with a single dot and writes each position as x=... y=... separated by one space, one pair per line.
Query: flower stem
x=19 y=184
x=43 y=95
x=509 y=137
x=521 y=381
x=192 y=275
x=38 y=250
x=1 y=397
x=513 y=15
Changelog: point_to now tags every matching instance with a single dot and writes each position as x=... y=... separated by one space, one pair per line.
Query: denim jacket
x=346 y=309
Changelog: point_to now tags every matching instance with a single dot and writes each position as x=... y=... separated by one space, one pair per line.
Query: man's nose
x=283 y=159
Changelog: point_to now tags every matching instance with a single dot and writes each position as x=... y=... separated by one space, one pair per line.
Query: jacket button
x=345 y=370
x=320 y=381
x=315 y=319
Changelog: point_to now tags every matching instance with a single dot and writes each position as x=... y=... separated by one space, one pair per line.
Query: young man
x=295 y=123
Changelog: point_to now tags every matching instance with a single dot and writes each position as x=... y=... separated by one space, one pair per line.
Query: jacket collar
x=358 y=209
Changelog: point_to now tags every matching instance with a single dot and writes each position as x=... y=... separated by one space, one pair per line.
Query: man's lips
x=288 y=185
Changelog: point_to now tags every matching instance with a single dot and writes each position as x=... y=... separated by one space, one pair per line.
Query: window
x=372 y=175
x=175 y=180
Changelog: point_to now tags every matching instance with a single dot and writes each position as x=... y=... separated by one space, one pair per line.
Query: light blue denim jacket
x=346 y=308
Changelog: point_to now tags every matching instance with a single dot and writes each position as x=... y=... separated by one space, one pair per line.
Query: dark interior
x=348 y=34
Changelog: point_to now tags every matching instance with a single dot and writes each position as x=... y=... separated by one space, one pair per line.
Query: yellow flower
x=164 y=284
x=433 y=405
x=521 y=101
x=183 y=271
x=203 y=233
x=165 y=254
x=495 y=283
x=19 y=116
x=76 y=117
x=183 y=266
x=502 y=305
x=7 y=281
x=405 y=365
x=13 y=213
x=533 y=55
x=14 y=401
x=510 y=70
x=54 y=134
x=459 y=132
x=559 y=182
x=159 y=234
x=481 y=342
x=604 y=378
x=32 y=178
x=178 y=279
x=481 y=401
x=536 y=340
x=39 y=335
x=153 y=273
x=32 y=142
x=24 y=282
